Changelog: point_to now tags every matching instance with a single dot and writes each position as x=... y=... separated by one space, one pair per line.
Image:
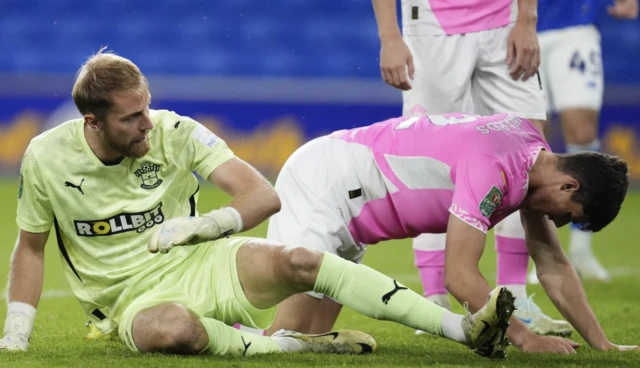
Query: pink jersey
x=415 y=171
x=432 y=17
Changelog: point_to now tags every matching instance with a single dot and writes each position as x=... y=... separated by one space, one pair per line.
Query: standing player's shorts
x=571 y=68
x=313 y=186
x=207 y=284
x=467 y=73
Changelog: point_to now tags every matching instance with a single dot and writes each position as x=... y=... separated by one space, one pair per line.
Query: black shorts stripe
x=192 y=202
x=539 y=80
x=62 y=248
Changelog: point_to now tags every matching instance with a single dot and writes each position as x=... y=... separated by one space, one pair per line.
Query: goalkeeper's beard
x=132 y=149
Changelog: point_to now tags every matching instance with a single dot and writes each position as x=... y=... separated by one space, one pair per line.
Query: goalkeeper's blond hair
x=99 y=77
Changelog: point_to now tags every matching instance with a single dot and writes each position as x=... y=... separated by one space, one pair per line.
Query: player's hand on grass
x=14 y=342
x=395 y=61
x=549 y=344
x=523 y=50
x=624 y=9
x=183 y=231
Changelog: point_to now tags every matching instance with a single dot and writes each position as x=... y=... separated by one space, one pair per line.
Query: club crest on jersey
x=121 y=223
x=490 y=202
x=148 y=172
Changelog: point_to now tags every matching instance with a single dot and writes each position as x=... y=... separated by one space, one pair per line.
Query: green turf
x=58 y=339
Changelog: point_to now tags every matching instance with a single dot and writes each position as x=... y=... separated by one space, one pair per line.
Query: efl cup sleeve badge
x=491 y=201
x=148 y=172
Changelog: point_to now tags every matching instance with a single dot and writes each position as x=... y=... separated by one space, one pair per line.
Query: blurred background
x=264 y=75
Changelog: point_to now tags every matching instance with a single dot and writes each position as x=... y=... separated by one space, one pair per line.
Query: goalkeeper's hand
x=193 y=230
x=183 y=231
x=14 y=342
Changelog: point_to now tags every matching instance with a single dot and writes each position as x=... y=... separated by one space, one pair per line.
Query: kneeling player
x=108 y=180
x=459 y=174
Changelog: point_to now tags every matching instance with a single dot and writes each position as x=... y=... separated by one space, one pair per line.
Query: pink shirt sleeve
x=480 y=186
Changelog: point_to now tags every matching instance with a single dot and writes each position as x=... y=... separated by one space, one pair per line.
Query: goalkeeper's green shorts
x=207 y=284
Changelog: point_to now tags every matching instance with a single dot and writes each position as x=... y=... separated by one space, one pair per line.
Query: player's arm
x=560 y=280
x=196 y=148
x=25 y=287
x=480 y=184
x=254 y=198
x=479 y=189
x=34 y=218
x=395 y=56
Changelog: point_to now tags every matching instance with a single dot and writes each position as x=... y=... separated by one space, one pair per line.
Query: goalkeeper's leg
x=270 y=274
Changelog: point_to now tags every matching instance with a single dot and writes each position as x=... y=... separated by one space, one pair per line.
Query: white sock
x=580 y=244
x=518 y=291
x=452 y=327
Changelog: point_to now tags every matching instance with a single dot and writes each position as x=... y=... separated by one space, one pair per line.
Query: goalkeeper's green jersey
x=104 y=215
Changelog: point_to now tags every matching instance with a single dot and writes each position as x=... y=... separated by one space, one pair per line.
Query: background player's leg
x=428 y=250
x=296 y=313
x=580 y=127
x=513 y=256
x=326 y=316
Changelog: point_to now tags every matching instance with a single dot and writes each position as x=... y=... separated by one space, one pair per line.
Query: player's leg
x=193 y=308
x=443 y=69
x=496 y=92
x=580 y=86
x=269 y=274
x=326 y=316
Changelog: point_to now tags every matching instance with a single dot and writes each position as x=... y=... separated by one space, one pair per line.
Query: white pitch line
x=51 y=294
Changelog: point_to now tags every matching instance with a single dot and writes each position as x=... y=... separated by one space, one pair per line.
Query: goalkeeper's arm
x=254 y=198
x=25 y=286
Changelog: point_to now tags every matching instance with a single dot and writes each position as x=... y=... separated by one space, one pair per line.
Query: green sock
x=226 y=340
x=373 y=294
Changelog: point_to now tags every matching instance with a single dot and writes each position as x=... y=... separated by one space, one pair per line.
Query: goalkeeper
x=117 y=187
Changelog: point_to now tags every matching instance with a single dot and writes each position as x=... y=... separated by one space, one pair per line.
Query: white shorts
x=314 y=186
x=571 y=68
x=468 y=73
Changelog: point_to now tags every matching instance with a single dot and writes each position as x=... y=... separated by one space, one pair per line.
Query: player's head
x=586 y=188
x=113 y=96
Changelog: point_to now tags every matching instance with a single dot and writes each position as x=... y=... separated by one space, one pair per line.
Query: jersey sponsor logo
x=491 y=201
x=148 y=172
x=121 y=223
x=20 y=186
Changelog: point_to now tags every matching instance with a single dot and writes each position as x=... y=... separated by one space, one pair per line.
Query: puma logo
x=334 y=334
x=246 y=346
x=79 y=187
x=386 y=297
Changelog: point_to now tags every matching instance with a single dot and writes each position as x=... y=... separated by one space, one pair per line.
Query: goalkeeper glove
x=194 y=230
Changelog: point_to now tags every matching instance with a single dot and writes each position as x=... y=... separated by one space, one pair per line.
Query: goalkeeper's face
x=128 y=123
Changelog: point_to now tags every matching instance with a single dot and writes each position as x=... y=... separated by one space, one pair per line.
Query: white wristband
x=20 y=317
x=228 y=220
x=238 y=218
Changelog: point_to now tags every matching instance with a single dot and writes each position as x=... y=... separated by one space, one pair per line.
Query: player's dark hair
x=603 y=181
x=101 y=75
